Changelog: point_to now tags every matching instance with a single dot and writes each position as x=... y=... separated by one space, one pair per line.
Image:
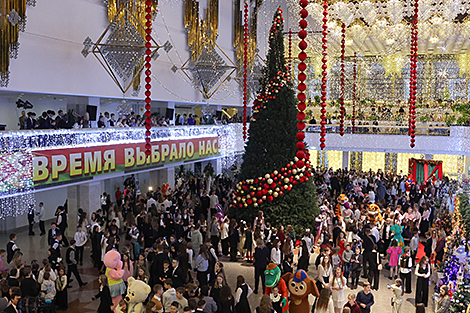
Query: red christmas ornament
x=290 y=51
x=353 y=120
x=148 y=79
x=341 y=122
x=245 y=68
x=324 y=73
x=413 y=75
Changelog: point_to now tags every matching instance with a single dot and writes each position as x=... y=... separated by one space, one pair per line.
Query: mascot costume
x=114 y=273
x=300 y=286
x=373 y=212
x=137 y=292
x=273 y=278
x=343 y=204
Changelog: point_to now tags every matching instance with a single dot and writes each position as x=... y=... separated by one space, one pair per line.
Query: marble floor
x=35 y=247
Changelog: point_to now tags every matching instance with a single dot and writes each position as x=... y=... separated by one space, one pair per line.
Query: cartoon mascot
x=373 y=212
x=273 y=278
x=300 y=286
x=343 y=204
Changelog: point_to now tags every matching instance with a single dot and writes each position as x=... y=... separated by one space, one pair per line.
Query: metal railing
x=383 y=129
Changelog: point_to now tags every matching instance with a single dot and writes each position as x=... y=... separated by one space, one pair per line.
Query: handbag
x=391 y=300
x=380 y=267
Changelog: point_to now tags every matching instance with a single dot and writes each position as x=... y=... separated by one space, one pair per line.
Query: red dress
x=341 y=248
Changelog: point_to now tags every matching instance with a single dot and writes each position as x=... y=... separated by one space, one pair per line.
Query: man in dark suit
x=31 y=121
x=368 y=244
x=52 y=234
x=157 y=265
x=15 y=296
x=177 y=275
x=62 y=223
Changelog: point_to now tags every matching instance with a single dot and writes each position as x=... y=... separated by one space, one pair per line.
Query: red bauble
x=300 y=145
x=302 y=76
x=303 y=45
x=270 y=198
x=301 y=97
x=300 y=154
x=303 y=23
x=302 y=66
x=300 y=164
x=301 y=106
x=303 y=3
x=300 y=136
x=249 y=201
x=302 y=34
x=301 y=116
x=300 y=125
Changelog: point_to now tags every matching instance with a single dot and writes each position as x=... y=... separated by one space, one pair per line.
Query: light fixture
x=23 y=104
x=434 y=39
x=389 y=41
x=348 y=42
x=150 y=188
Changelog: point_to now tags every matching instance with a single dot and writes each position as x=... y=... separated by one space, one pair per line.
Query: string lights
x=302 y=87
x=343 y=38
x=353 y=120
x=148 y=73
x=290 y=50
x=245 y=67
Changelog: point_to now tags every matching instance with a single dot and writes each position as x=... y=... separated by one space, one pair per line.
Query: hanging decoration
x=208 y=67
x=245 y=68
x=302 y=87
x=122 y=47
x=269 y=92
x=12 y=21
x=324 y=74
x=239 y=30
x=413 y=74
x=354 y=93
x=290 y=51
x=148 y=79
x=343 y=37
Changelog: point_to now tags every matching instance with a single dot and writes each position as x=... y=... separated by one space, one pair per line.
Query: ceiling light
x=434 y=39
x=389 y=41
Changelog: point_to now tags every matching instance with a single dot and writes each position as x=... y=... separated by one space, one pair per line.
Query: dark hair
x=420 y=308
x=15 y=292
x=394 y=243
x=324 y=299
x=201 y=303
x=240 y=280
x=72 y=242
x=175 y=304
x=169 y=281
x=12 y=236
x=225 y=293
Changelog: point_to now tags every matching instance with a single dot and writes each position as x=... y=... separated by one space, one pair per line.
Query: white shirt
x=214 y=201
x=150 y=202
x=167 y=203
x=41 y=213
x=80 y=238
x=375 y=232
x=224 y=232
x=428 y=273
x=276 y=256
x=239 y=293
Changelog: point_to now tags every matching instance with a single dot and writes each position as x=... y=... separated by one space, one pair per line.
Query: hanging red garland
x=343 y=36
x=245 y=68
x=290 y=50
x=413 y=73
x=354 y=94
x=324 y=74
x=148 y=72
x=301 y=155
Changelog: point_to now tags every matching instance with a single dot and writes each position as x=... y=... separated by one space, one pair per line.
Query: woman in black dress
x=241 y=295
x=105 y=295
x=304 y=257
x=227 y=303
x=96 y=246
x=248 y=243
x=233 y=239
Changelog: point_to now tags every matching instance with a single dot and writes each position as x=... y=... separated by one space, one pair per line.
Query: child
x=356 y=267
x=169 y=295
x=142 y=275
x=335 y=258
x=48 y=291
x=406 y=264
x=123 y=306
x=61 y=299
x=276 y=299
x=398 y=292
x=180 y=298
x=287 y=265
x=248 y=246
x=347 y=254
x=394 y=251
x=166 y=273
x=352 y=304
x=157 y=297
x=414 y=245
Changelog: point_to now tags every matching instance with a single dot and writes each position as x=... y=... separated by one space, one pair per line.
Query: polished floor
x=35 y=247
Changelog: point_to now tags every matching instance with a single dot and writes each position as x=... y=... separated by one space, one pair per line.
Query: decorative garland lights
x=148 y=79
x=270 y=92
x=353 y=120
x=290 y=50
x=302 y=87
x=245 y=67
x=272 y=185
x=413 y=73
x=324 y=74
x=343 y=42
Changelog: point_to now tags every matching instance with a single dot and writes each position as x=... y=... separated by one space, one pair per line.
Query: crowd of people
x=72 y=120
x=175 y=241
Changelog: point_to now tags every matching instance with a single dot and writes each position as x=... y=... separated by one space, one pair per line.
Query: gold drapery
x=202 y=33
x=8 y=33
x=238 y=28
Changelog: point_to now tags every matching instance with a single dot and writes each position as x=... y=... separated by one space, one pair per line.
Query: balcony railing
x=383 y=129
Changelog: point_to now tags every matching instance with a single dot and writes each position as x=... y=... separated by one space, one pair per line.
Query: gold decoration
x=238 y=28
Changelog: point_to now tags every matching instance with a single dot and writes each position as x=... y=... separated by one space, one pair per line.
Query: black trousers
x=355 y=277
x=259 y=273
x=202 y=278
x=79 y=254
x=72 y=268
x=41 y=227
x=215 y=243
x=65 y=241
x=406 y=279
x=374 y=278
x=225 y=246
x=31 y=224
x=365 y=262
x=422 y=291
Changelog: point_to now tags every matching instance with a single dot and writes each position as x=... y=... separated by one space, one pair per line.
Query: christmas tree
x=461 y=297
x=271 y=180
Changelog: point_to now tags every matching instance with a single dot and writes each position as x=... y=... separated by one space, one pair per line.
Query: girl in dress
x=443 y=304
x=127 y=266
x=265 y=305
x=248 y=246
x=324 y=272
x=397 y=298
x=241 y=295
x=423 y=272
x=304 y=256
x=394 y=251
x=105 y=295
x=325 y=303
x=338 y=284
x=276 y=299
x=61 y=299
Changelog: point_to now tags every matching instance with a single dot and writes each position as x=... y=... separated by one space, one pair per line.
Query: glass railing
x=383 y=129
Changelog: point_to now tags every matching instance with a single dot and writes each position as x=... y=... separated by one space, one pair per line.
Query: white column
x=345 y=159
x=85 y=196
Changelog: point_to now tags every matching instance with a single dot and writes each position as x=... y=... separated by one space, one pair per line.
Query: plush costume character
x=137 y=292
x=300 y=286
x=273 y=278
x=373 y=211
x=343 y=203
x=114 y=273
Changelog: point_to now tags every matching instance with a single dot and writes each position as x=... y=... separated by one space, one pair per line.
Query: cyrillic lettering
x=209 y=147
x=59 y=164
x=140 y=157
x=190 y=149
x=174 y=152
x=40 y=171
x=215 y=146
x=129 y=159
x=202 y=148
x=75 y=164
x=109 y=160
x=165 y=152
x=92 y=163
x=155 y=154
x=182 y=154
